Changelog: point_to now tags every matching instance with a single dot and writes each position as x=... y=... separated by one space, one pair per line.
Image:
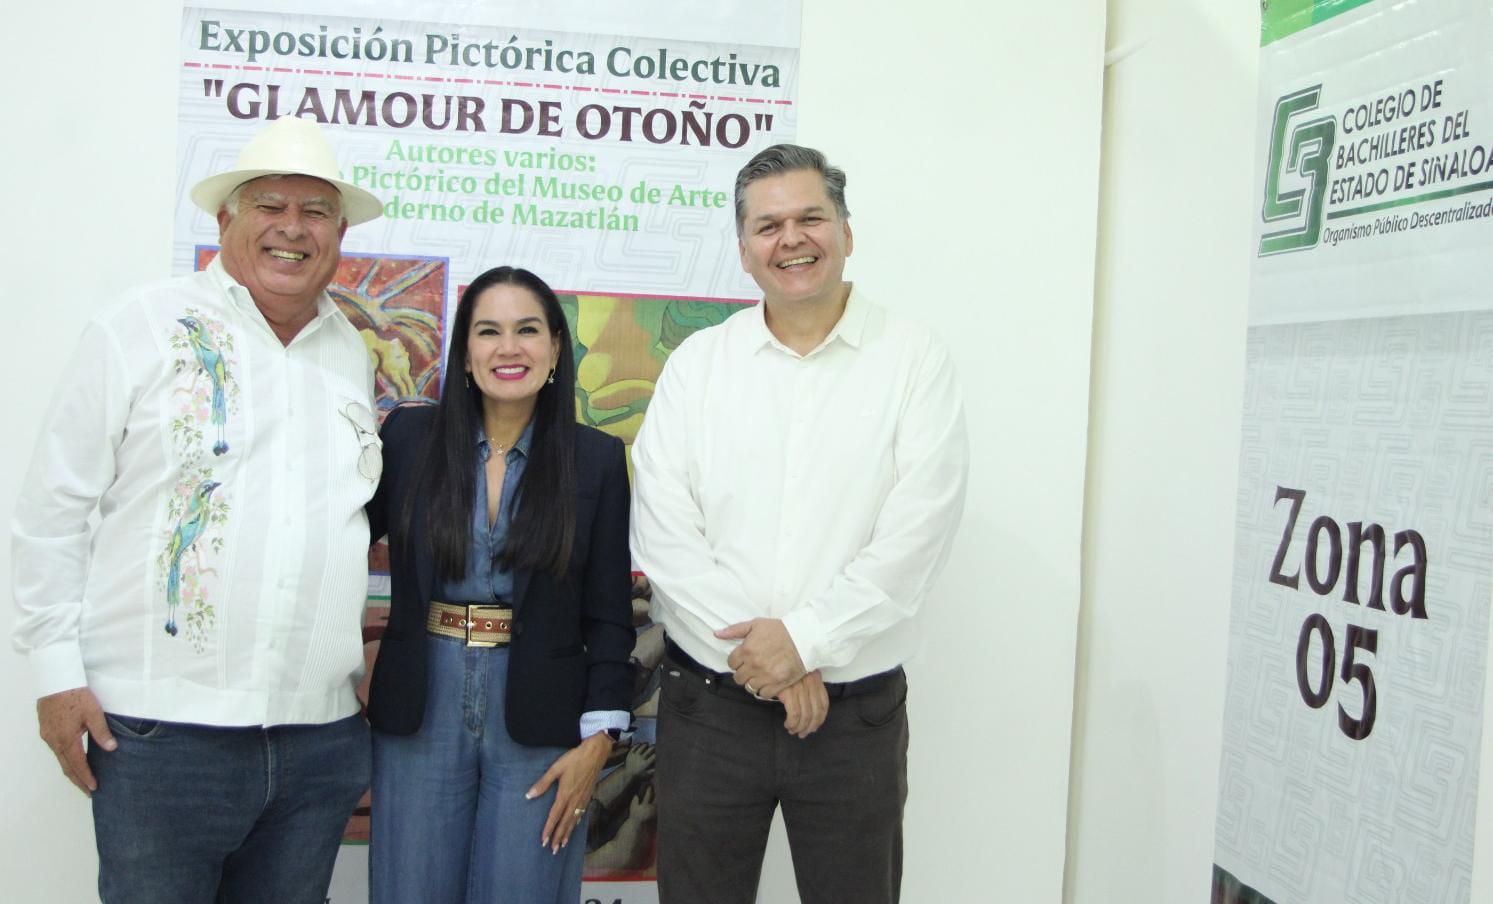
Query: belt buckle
x=471 y=623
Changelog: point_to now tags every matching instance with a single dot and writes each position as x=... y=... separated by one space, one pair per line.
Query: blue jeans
x=193 y=813
x=450 y=823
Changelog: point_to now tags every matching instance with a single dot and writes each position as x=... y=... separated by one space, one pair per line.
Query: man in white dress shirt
x=799 y=478
x=190 y=550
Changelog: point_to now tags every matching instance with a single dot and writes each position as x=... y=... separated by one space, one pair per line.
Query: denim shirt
x=486 y=582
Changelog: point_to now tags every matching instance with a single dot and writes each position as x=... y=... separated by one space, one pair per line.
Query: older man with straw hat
x=190 y=550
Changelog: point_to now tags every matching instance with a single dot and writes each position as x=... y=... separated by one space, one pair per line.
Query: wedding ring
x=580 y=812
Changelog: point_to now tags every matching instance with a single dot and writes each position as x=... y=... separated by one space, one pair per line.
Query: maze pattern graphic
x=1386 y=421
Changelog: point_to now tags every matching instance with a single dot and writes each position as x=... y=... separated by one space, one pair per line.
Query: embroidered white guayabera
x=190 y=541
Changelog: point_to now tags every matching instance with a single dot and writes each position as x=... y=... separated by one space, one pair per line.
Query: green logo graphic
x=1310 y=148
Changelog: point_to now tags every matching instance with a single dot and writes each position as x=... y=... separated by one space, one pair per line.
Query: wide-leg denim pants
x=450 y=823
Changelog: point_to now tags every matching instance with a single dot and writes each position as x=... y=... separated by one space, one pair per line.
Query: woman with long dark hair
x=502 y=676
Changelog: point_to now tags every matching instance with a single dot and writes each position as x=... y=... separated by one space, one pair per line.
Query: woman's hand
x=576 y=771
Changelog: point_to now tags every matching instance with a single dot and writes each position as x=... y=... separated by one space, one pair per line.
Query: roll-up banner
x=548 y=136
x=1364 y=538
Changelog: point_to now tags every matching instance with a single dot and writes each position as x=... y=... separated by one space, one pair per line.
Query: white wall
x=1170 y=297
x=87 y=171
x=970 y=132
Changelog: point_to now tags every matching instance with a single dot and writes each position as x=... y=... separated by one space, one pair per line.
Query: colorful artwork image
x=621 y=836
x=621 y=343
x=397 y=303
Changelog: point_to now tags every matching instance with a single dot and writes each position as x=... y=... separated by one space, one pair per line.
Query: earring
x=468 y=375
x=552 y=376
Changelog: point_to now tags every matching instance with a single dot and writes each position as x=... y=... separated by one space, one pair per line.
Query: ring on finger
x=578 y=812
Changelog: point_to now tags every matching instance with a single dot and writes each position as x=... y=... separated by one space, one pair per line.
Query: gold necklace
x=498 y=448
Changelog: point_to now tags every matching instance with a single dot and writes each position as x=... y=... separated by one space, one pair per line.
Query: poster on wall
x=1363 y=560
x=600 y=157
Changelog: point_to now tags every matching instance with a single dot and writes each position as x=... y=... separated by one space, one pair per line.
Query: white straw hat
x=288 y=146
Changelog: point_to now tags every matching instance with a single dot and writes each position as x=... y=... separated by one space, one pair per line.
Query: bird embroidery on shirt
x=211 y=359
x=191 y=525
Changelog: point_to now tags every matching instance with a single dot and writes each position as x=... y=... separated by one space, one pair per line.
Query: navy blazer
x=572 y=638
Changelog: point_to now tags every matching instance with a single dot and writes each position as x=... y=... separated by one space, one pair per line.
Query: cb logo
x=1302 y=148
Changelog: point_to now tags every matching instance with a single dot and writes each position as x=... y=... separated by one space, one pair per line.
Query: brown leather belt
x=479 y=626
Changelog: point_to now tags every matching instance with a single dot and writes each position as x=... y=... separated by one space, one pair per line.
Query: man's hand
x=64 y=717
x=807 y=705
x=766 y=661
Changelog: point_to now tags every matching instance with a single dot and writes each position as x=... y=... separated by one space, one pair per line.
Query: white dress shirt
x=190 y=456
x=821 y=489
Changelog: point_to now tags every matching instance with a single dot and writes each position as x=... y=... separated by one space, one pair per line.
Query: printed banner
x=1364 y=537
x=603 y=162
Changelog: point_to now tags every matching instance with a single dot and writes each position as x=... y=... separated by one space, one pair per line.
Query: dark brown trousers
x=725 y=763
